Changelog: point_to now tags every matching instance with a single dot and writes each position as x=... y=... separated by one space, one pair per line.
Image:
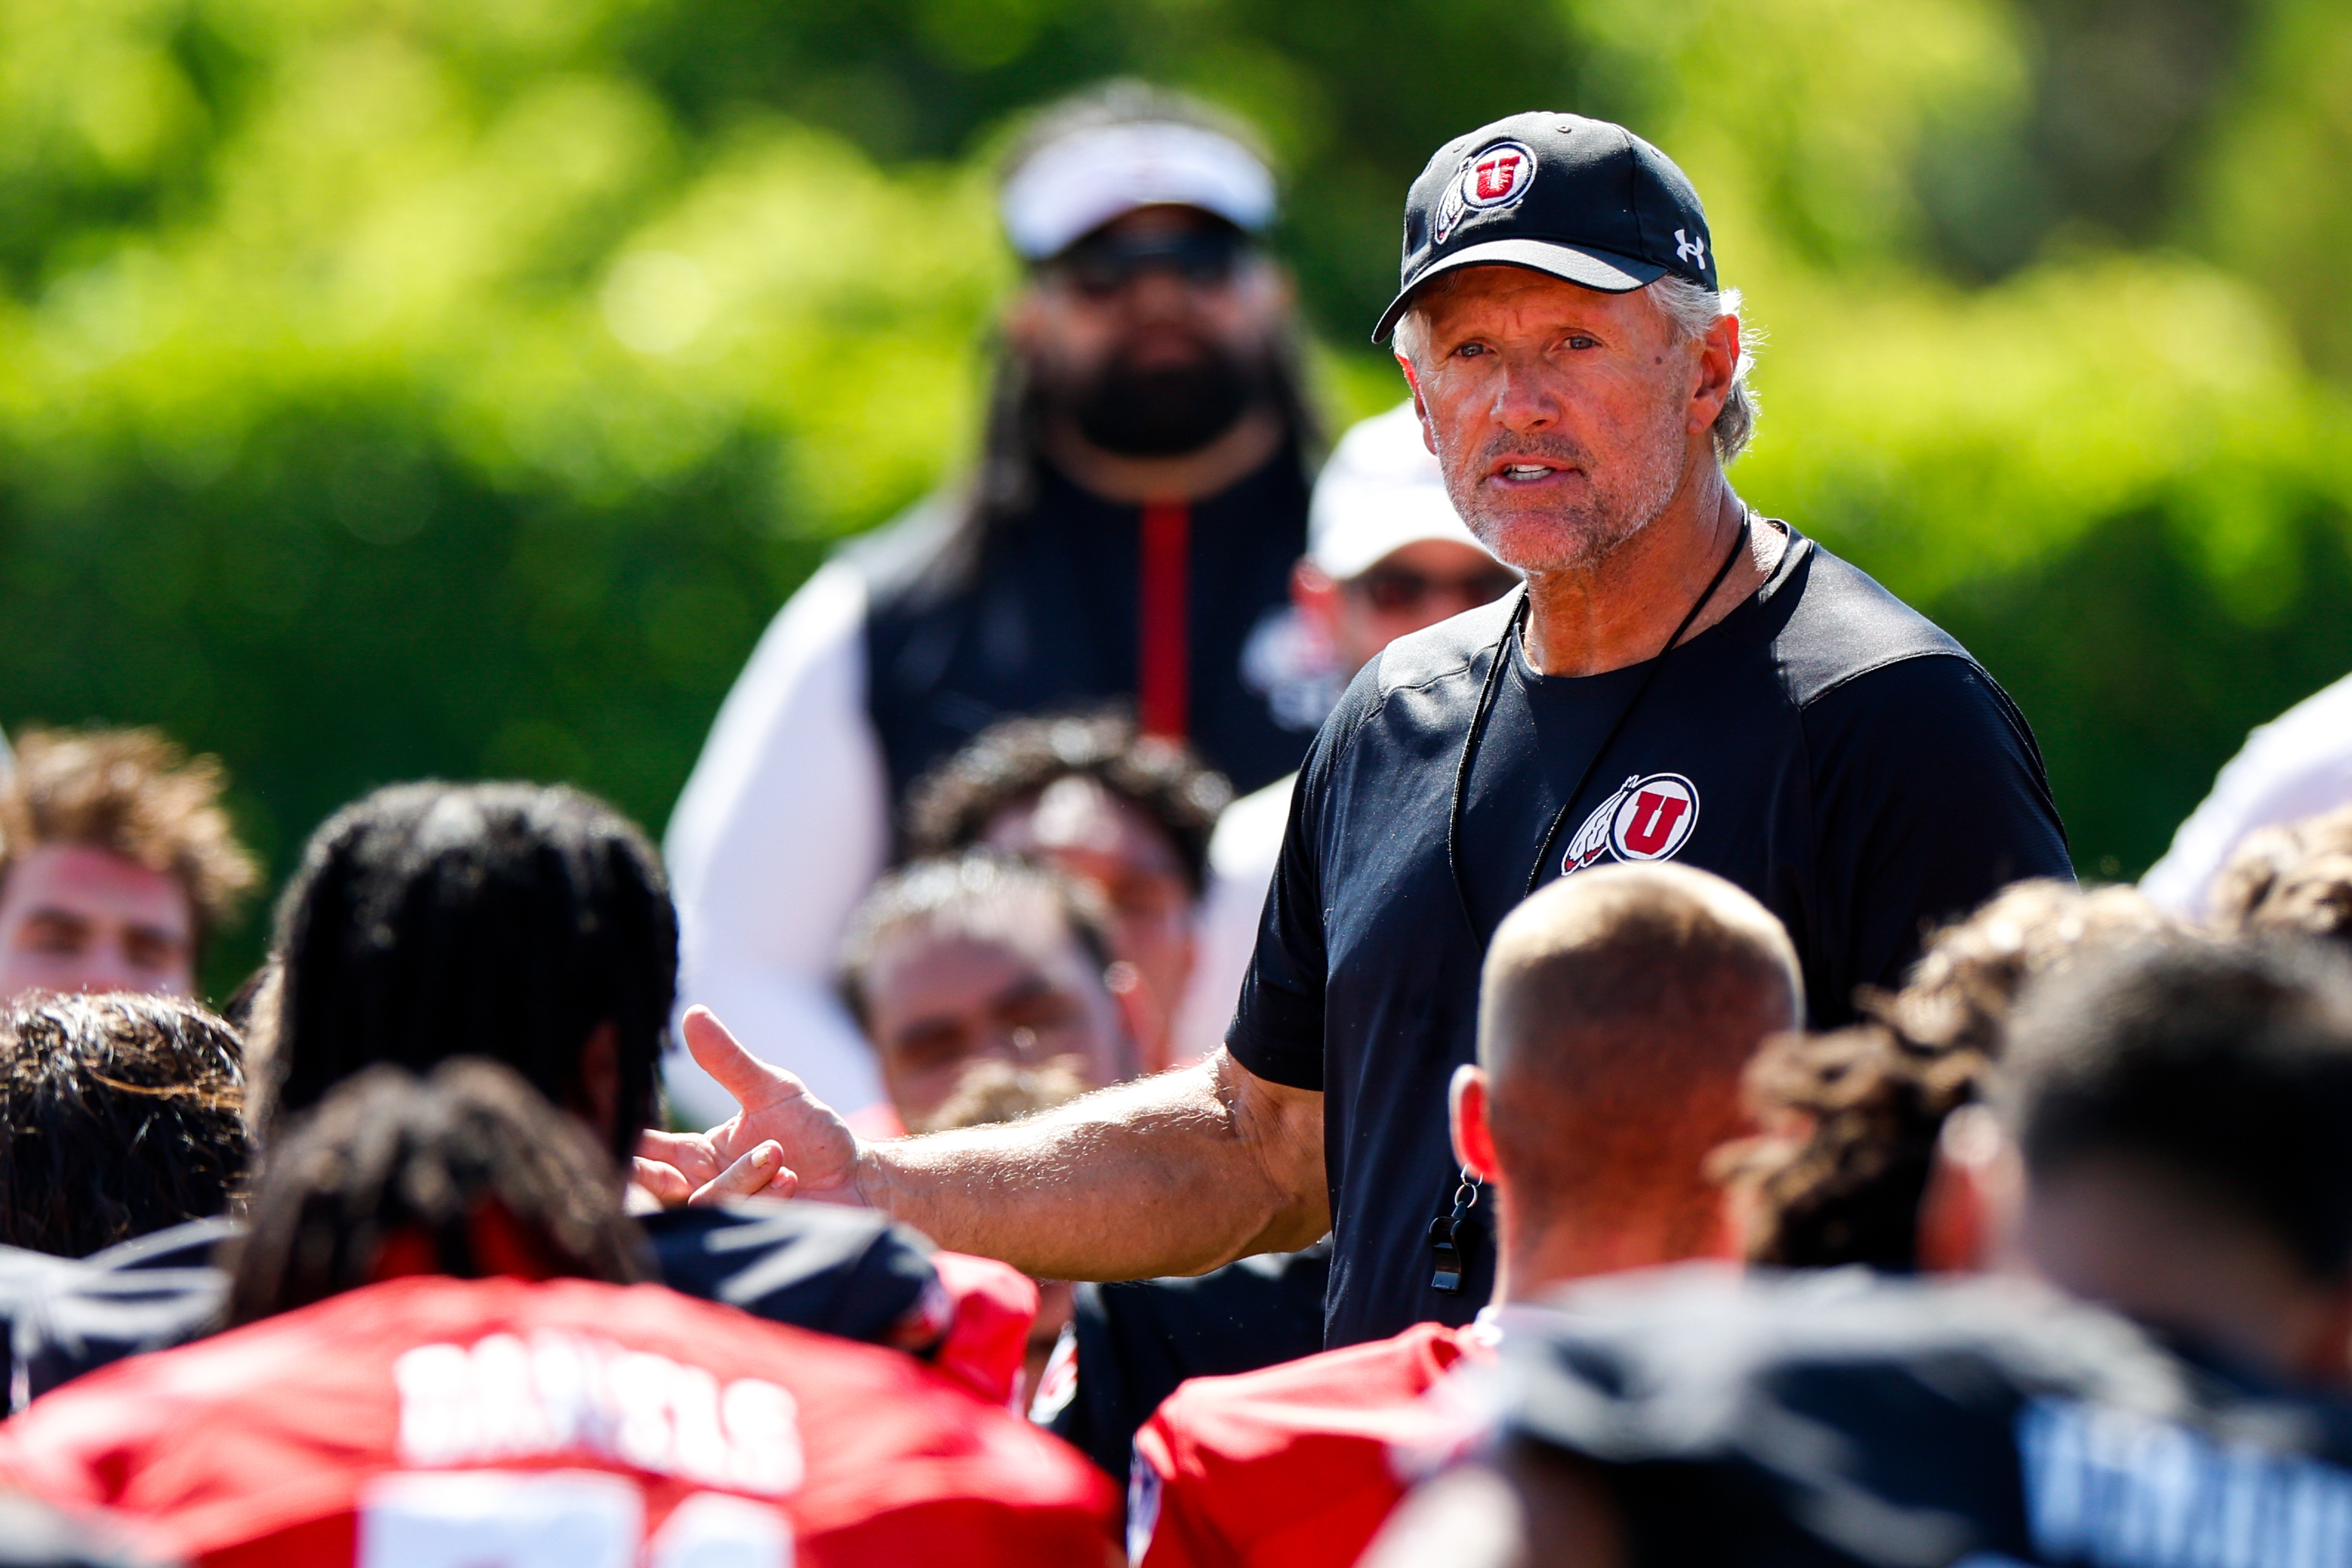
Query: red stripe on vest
x=1164 y=697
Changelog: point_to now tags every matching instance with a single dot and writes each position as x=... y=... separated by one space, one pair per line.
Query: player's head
x=118 y=1115
x=1619 y=1008
x=1127 y=813
x=116 y=862
x=1852 y=1117
x=2177 y=1112
x=977 y=964
x=1574 y=359
x=1386 y=552
x=1152 y=318
x=530 y=925
x=469 y=1173
x=2293 y=878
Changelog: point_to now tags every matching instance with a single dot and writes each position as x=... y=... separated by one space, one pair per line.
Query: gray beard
x=1577 y=536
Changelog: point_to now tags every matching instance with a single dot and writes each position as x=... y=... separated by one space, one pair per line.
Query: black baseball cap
x=1580 y=199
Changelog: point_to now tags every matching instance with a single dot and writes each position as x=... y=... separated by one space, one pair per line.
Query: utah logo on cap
x=1496 y=175
x=1648 y=819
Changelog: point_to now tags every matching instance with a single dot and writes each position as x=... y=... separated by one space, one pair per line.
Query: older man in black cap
x=1680 y=679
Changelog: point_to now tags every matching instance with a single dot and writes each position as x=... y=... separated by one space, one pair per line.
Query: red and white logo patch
x=1649 y=818
x=1492 y=177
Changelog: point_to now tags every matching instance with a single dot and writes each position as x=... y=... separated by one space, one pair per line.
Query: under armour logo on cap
x=1691 y=250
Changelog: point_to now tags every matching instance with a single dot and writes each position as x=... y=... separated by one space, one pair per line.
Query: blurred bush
x=395 y=387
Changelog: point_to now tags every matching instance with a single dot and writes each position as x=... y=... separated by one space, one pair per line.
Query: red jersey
x=439 y=1423
x=1287 y=1467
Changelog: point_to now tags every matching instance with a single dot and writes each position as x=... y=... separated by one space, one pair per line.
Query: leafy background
x=401 y=387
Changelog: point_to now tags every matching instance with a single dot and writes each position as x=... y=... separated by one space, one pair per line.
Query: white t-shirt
x=781 y=829
x=2296 y=766
x=1241 y=856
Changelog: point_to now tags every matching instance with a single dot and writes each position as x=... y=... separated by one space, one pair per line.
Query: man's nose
x=1525 y=398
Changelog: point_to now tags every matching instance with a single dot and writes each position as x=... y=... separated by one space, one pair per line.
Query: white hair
x=1693 y=309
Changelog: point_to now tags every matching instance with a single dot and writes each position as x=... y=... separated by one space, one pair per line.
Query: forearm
x=1172 y=1175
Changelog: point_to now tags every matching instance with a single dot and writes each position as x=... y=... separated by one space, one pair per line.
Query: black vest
x=1047 y=618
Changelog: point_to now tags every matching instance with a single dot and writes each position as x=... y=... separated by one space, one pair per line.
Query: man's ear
x=1468 y=1102
x=1718 y=361
x=1973 y=1191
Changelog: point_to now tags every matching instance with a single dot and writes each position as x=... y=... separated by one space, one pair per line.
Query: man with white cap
x=1140 y=500
x=1386 y=556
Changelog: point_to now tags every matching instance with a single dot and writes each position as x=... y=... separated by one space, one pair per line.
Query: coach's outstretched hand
x=784 y=1142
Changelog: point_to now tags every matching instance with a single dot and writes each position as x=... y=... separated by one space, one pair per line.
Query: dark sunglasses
x=1102 y=267
x=1395 y=587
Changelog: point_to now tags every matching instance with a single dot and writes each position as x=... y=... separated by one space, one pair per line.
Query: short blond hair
x=134 y=793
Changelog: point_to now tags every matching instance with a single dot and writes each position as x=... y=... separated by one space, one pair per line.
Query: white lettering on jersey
x=486 y=1518
x=556 y=1519
x=2108 y=1487
x=502 y=1398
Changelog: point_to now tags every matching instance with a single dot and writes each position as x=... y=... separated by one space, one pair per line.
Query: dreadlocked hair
x=505 y=921
x=1013 y=761
x=469 y=1173
x=118 y=1115
x=1852 y=1117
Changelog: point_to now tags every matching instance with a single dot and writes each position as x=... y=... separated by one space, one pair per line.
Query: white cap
x=1381 y=491
x=1071 y=186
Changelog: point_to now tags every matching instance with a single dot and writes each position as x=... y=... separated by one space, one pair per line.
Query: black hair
x=2228 y=1063
x=950 y=808
x=928 y=888
x=505 y=921
x=118 y=1115
x=472 y=1162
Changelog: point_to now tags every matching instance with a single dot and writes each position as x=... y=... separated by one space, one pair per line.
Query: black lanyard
x=1453 y=1234
x=1503 y=651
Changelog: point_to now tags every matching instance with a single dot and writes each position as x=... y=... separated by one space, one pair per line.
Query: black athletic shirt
x=1048 y=619
x=1822 y=745
x=1845 y=1420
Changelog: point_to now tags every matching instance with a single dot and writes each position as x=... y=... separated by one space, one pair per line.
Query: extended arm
x=1172 y=1174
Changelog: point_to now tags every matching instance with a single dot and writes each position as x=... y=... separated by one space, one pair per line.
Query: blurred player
x=119 y=1116
x=1852 y=1118
x=442 y=1362
x=953 y=963
x=1618 y=1012
x=1129 y=814
x=1140 y=497
x=2166 y=1151
x=116 y=862
x=2298 y=766
x=2293 y=877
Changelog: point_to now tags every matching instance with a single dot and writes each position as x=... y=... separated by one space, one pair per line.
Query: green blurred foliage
x=399 y=387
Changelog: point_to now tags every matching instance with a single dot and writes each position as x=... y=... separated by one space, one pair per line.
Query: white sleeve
x=1243 y=855
x=780 y=832
x=2296 y=766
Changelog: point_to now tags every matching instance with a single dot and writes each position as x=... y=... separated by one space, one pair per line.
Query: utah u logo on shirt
x=1649 y=818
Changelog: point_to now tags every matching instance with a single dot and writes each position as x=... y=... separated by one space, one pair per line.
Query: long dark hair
x=479 y=1173
x=505 y=921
